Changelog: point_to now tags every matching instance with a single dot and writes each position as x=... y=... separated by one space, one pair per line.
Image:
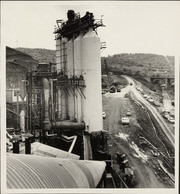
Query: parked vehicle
x=118 y=90
x=128 y=112
x=166 y=115
x=156 y=104
x=171 y=120
x=150 y=99
x=155 y=153
x=112 y=89
x=103 y=115
x=166 y=111
x=125 y=120
x=145 y=95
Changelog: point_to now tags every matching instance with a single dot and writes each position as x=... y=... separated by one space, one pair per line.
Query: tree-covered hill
x=17 y=65
x=41 y=55
x=139 y=64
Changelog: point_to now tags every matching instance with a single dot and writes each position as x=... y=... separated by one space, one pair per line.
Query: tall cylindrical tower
x=70 y=74
x=64 y=100
x=59 y=69
x=91 y=67
x=58 y=55
x=61 y=64
x=78 y=73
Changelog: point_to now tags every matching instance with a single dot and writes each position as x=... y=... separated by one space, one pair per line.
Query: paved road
x=144 y=175
x=166 y=101
x=157 y=115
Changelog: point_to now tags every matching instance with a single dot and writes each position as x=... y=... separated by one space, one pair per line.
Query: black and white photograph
x=90 y=96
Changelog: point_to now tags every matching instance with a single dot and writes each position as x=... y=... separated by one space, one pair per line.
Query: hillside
x=17 y=65
x=41 y=55
x=140 y=64
x=14 y=74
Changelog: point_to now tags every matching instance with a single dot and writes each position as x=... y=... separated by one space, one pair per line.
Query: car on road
x=142 y=92
x=112 y=89
x=145 y=95
x=103 y=115
x=131 y=83
x=166 y=110
x=125 y=120
x=118 y=90
x=155 y=153
x=150 y=99
x=156 y=104
x=128 y=112
x=166 y=115
x=171 y=120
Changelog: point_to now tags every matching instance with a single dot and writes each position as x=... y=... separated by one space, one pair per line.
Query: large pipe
x=59 y=70
x=64 y=105
x=22 y=119
x=58 y=56
x=46 y=89
x=59 y=104
x=68 y=125
x=61 y=66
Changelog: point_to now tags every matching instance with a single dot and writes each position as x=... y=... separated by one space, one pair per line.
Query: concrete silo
x=91 y=70
x=78 y=72
x=70 y=74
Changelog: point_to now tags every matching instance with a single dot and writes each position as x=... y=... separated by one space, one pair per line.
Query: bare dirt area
x=139 y=141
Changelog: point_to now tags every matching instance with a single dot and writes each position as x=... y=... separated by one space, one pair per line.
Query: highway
x=166 y=100
x=115 y=105
x=156 y=114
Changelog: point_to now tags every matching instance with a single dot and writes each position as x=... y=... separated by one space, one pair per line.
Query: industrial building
x=61 y=142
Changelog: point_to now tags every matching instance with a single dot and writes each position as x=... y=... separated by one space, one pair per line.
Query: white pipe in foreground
x=74 y=138
x=46 y=89
x=22 y=120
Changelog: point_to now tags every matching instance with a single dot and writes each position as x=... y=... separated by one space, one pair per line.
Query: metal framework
x=35 y=95
x=76 y=24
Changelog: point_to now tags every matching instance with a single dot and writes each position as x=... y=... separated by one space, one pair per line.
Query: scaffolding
x=76 y=24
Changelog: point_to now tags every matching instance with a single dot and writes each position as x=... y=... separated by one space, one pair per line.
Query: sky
x=131 y=27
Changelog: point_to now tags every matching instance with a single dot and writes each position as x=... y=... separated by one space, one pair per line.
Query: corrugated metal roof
x=45 y=150
x=31 y=172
